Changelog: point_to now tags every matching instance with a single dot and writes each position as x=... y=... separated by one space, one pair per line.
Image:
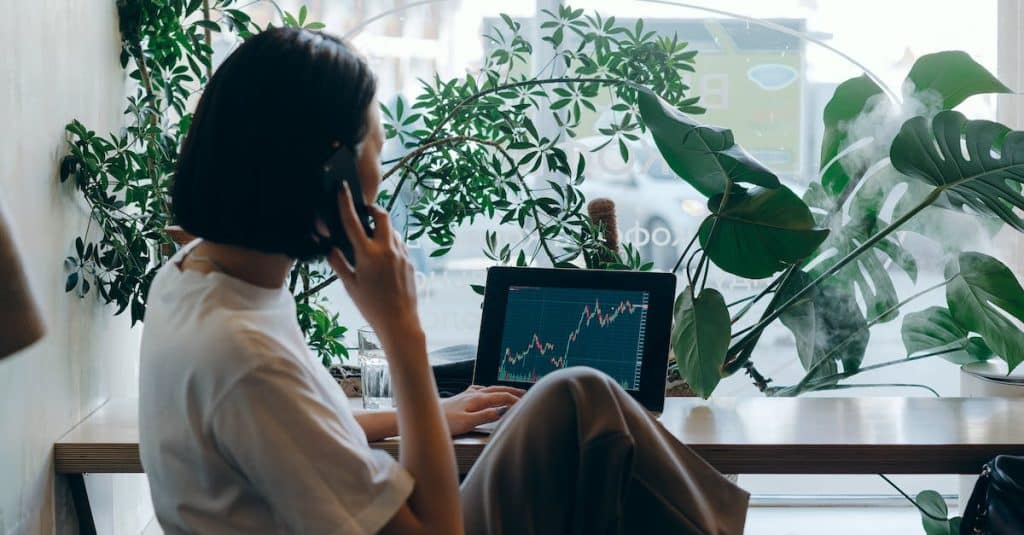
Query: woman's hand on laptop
x=382 y=283
x=478 y=405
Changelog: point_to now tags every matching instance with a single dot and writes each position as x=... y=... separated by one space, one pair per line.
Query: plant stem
x=686 y=251
x=711 y=233
x=740 y=301
x=140 y=59
x=832 y=379
x=892 y=227
x=772 y=286
x=913 y=501
x=208 y=38
x=732 y=366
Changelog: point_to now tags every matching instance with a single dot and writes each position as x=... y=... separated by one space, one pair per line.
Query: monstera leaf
x=952 y=75
x=847 y=102
x=982 y=295
x=934 y=329
x=868 y=274
x=827 y=324
x=705 y=156
x=700 y=338
x=986 y=179
x=759 y=232
x=947 y=78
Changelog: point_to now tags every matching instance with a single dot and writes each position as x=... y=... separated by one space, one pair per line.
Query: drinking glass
x=373 y=368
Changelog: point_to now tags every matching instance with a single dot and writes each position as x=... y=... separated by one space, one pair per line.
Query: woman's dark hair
x=250 y=170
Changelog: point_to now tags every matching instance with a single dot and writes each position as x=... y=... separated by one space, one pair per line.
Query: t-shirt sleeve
x=315 y=473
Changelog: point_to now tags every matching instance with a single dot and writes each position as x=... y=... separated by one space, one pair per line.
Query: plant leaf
x=981 y=296
x=705 y=156
x=848 y=101
x=71 y=282
x=954 y=75
x=934 y=329
x=760 y=232
x=700 y=338
x=931 y=502
x=821 y=320
x=987 y=180
x=867 y=273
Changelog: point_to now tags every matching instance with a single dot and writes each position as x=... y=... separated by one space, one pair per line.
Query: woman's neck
x=265 y=270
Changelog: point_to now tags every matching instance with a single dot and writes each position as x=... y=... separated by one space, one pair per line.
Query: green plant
x=124 y=176
x=821 y=259
x=470 y=143
x=935 y=517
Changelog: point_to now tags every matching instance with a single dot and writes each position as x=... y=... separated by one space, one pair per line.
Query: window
x=768 y=80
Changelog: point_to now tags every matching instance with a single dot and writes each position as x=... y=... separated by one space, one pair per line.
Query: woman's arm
x=383 y=288
x=378 y=425
x=476 y=406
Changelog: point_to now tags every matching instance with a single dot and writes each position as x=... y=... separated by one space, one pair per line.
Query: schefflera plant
x=468 y=144
x=835 y=242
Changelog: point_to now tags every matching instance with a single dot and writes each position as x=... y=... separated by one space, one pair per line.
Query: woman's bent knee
x=583 y=376
x=571 y=382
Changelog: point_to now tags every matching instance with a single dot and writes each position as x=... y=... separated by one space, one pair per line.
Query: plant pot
x=675 y=385
x=348 y=380
x=985 y=380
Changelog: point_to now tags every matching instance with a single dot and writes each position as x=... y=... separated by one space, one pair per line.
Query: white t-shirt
x=241 y=428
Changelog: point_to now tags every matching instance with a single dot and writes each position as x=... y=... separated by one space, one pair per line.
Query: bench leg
x=80 y=497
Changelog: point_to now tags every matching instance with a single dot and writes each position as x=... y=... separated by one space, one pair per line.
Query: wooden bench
x=736 y=435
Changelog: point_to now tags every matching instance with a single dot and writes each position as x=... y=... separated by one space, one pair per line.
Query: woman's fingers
x=381 y=223
x=490 y=399
x=350 y=221
x=502 y=388
x=340 y=265
x=488 y=415
x=399 y=243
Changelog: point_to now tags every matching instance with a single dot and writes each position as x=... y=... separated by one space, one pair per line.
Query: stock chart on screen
x=547 y=329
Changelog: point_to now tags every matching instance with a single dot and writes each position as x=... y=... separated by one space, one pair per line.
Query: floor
x=807 y=521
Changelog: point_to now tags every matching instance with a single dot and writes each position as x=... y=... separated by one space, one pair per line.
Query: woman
x=242 y=431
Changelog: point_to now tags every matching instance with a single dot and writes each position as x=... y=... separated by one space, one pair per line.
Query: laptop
x=538 y=320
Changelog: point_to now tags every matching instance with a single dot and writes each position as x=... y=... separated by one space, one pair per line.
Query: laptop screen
x=549 y=328
x=540 y=320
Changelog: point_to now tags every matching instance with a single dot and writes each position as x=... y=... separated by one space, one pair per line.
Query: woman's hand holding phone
x=382 y=285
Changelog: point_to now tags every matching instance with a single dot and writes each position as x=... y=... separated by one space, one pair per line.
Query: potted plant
x=820 y=260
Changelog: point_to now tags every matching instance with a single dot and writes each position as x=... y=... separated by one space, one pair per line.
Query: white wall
x=59 y=62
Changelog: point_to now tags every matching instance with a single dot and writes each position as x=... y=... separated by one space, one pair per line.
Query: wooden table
x=737 y=436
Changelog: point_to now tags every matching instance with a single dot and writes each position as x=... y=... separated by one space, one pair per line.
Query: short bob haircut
x=250 y=170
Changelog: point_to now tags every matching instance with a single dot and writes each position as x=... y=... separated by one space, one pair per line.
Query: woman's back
x=236 y=416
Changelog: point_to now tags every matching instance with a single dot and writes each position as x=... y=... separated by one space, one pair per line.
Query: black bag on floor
x=996 y=506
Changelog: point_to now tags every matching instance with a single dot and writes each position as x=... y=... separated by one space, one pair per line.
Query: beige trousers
x=578 y=455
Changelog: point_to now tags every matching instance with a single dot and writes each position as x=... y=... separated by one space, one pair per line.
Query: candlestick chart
x=547 y=329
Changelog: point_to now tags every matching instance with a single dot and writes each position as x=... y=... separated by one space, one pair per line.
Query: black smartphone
x=341 y=167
